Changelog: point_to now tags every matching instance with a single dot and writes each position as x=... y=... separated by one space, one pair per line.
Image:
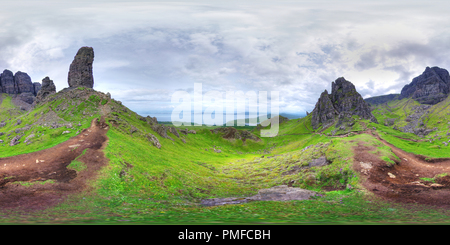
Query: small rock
x=319 y=162
x=391 y=175
x=436 y=185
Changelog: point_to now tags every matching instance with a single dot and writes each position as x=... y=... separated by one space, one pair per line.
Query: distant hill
x=378 y=100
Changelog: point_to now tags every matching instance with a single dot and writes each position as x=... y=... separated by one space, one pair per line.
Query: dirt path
x=403 y=181
x=51 y=164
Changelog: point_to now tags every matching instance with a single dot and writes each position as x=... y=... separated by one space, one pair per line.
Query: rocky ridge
x=343 y=103
x=431 y=87
x=19 y=85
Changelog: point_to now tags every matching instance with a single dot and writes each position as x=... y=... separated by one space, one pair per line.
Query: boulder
x=37 y=86
x=154 y=140
x=80 y=71
x=28 y=98
x=15 y=140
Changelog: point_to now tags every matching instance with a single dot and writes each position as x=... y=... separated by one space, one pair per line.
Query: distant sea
x=166 y=117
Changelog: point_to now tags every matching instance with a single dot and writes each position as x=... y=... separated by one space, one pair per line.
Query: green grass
x=77 y=165
x=146 y=185
x=68 y=111
x=25 y=183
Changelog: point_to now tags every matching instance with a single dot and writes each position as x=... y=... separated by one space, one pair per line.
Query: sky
x=145 y=51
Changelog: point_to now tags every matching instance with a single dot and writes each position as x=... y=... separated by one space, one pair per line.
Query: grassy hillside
x=396 y=114
x=142 y=183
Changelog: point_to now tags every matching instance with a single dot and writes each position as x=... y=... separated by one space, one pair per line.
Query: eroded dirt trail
x=51 y=164
x=403 y=182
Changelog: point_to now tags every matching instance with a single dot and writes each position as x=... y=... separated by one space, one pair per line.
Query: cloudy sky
x=147 y=50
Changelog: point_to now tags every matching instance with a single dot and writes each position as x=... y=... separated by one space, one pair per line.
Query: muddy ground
x=402 y=181
x=22 y=177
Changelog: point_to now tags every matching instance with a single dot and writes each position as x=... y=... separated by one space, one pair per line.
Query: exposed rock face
x=378 y=100
x=20 y=86
x=7 y=82
x=319 y=162
x=23 y=83
x=80 y=71
x=342 y=103
x=415 y=125
x=37 y=87
x=174 y=131
x=48 y=88
x=232 y=133
x=276 y=193
x=154 y=140
x=432 y=87
x=324 y=112
x=28 y=98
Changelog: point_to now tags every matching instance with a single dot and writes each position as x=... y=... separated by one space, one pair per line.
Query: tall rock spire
x=80 y=71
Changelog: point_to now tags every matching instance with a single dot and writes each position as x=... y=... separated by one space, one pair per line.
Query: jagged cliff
x=432 y=87
x=343 y=102
x=19 y=85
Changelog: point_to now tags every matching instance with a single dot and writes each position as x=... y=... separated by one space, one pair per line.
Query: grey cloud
x=367 y=60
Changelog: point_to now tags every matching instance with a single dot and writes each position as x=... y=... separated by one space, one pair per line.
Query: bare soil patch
x=22 y=177
x=404 y=182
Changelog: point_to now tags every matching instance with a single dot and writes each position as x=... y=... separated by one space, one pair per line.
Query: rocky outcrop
x=343 y=103
x=154 y=140
x=80 y=71
x=20 y=86
x=232 y=133
x=28 y=98
x=324 y=113
x=48 y=88
x=174 y=131
x=7 y=82
x=432 y=87
x=23 y=83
